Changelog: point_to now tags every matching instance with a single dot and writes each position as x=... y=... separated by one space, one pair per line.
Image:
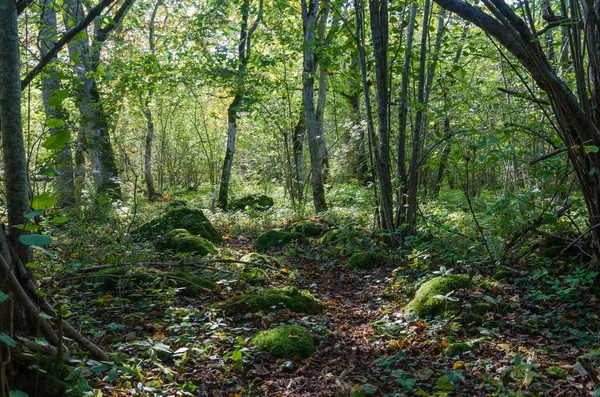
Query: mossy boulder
x=277 y=238
x=331 y=237
x=180 y=217
x=50 y=379
x=175 y=204
x=308 y=228
x=272 y=299
x=255 y=201
x=366 y=260
x=424 y=303
x=192 y=284
x=182 y=241
x=287 y=341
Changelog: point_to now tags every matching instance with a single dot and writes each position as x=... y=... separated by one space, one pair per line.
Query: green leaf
x=55 y=123
x=30 y=227
x=33 y=214
x=48 y=171
x=443 y=383
x=591 y=149
x=43 y=201
x=3 y=297
x=35 y=239
x=7 y=339
x=489 y=299
x=59 y=220
x=57 y=141
x=518 y=360
x=17 y=393
x=592 y=170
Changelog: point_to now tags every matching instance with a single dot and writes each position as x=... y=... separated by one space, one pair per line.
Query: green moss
x=366 y=260
x=175 y=204
x=256 y=201
x=424 y=303
x=277 y=238
x=555 y=372
x=482 y=307
x=287 y=341
x=331 y=237
x=180 y=240
x=292 y=298
x=307 y=228
x=179 y=217
x=50 y=379
x=454 y=349
x=193 y=285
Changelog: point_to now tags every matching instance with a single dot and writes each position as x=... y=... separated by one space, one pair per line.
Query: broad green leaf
x=60 y=94
x=591 y=149
x=55 y=123
x=33 y=214
x=237 y=355
x=3 y=296
x=57 y=141
x=43 y=201
x=30 y=227
x=59 y=220
x=35 y=239
x=7 y=339
x=17 y=393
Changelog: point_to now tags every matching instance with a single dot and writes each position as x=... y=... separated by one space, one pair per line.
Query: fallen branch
x=200 y=264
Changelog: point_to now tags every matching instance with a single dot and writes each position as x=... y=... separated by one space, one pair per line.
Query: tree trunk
x=244 y=47
x=65 y=187
x=148 y=151
x=298 y=148
x=322 y=92
x=309 y=18
x=401 y=174
x=379 y=33
x=94 y=123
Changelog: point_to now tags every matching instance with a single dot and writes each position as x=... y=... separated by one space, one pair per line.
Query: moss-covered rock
x=277 y=238
x=261 y=258
x=256 y=201
x=182 y=241
x=49 y=379
x=331 y=237
x=287 y=341
x=366 y=260
x=270 y=300
x=192 y=284
x=180 y=217
x=424 y=303
x=307 y=228
x=467 y=318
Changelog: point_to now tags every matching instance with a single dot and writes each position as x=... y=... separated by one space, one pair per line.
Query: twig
x=547 y=155
x=487 y=247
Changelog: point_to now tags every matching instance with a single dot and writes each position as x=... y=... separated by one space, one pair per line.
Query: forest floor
x=166 y=344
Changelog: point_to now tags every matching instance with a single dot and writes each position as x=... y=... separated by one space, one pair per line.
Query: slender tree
x=310 y=10
x=244 y=47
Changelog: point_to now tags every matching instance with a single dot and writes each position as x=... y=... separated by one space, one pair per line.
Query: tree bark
x=322 y=91
x=309 y=19
x=298 y=149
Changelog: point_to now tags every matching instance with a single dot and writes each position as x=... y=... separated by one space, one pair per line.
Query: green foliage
x=253 y=201
x=179 y=217
x=426 y=304
x=270 y=300
x=455 y=349
x=286 y=341
x=308 y=228
x=181 y=241
x=366 y=260
x=261 y=258
x=277 y=238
